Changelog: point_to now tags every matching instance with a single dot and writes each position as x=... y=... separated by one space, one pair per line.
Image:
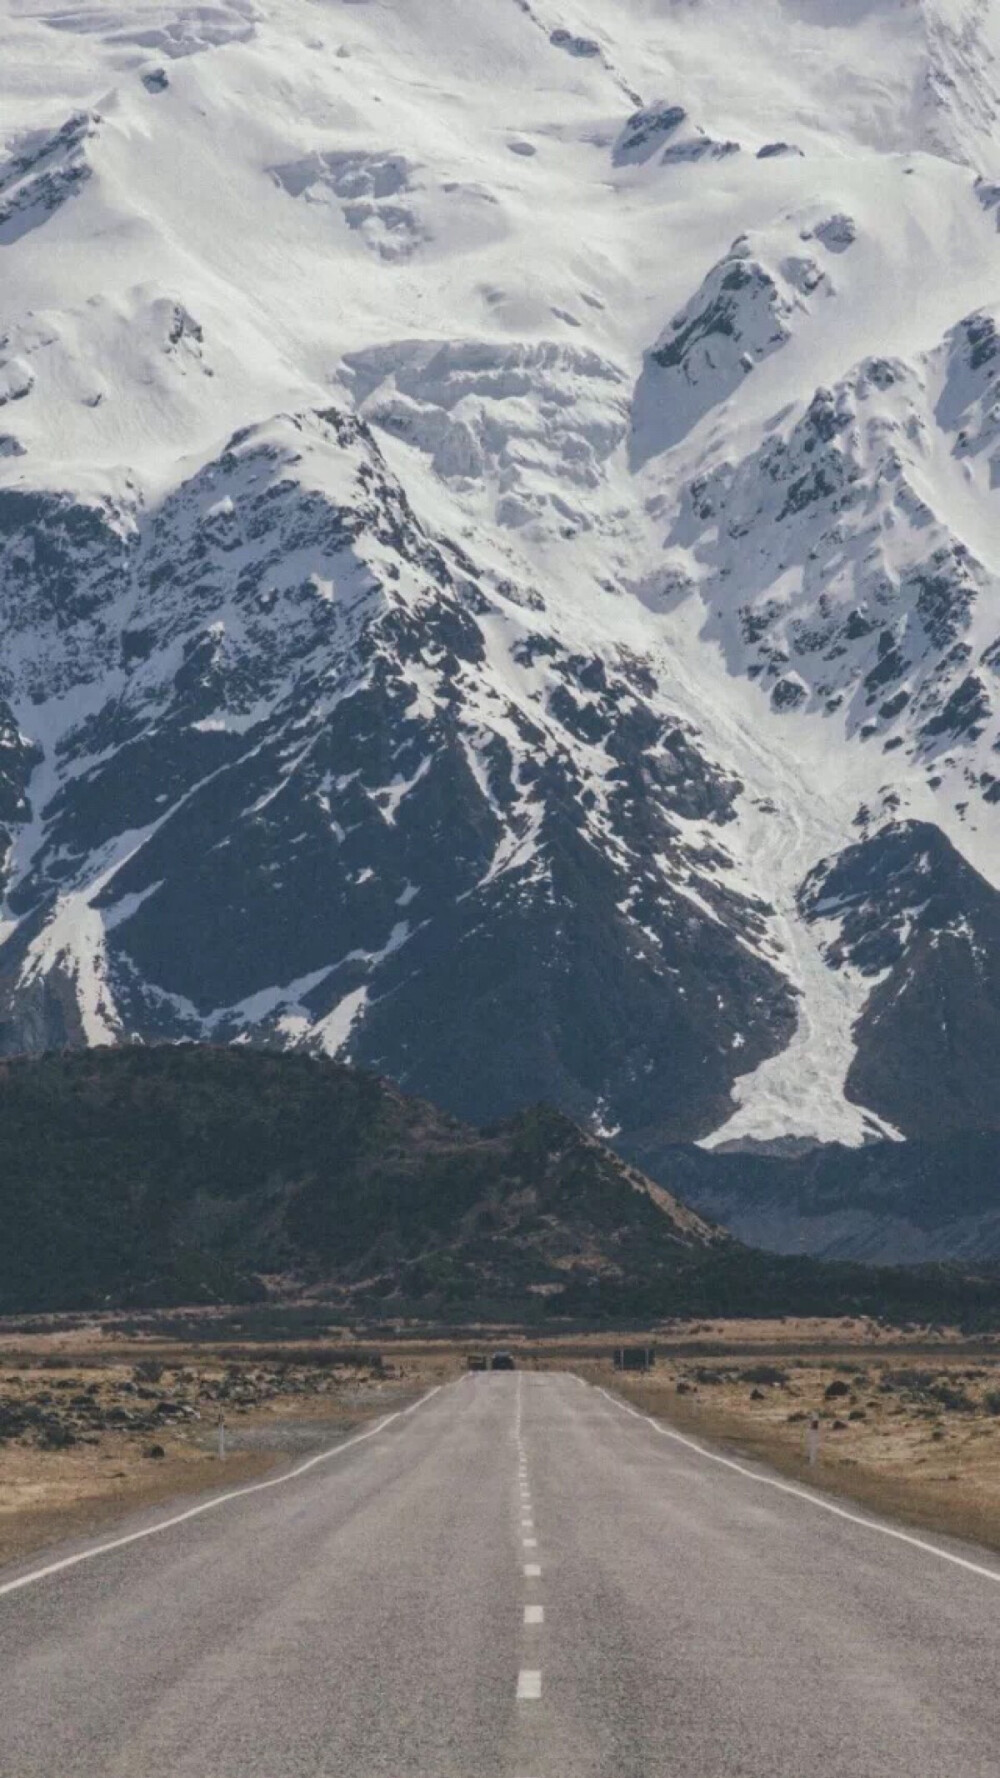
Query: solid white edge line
x=209 y=1506
x=826 y=1506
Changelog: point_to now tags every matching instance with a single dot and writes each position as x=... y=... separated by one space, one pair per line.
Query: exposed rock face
x=744 y=311
x=43 y=170
x=924 y=927
x=883 y=614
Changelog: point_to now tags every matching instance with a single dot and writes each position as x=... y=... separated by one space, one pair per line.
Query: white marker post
x=812 y=1440
x=222 y=1435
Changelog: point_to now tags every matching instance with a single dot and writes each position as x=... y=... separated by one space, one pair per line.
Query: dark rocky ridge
x=294 y=782
x=915 y=917
x=44 y=169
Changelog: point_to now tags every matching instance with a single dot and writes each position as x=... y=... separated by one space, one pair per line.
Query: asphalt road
x=518 y=1578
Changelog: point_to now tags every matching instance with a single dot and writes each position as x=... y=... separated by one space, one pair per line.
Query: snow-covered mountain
x=499 y=555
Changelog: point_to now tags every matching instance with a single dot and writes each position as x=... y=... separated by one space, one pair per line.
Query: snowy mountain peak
x=498 y=551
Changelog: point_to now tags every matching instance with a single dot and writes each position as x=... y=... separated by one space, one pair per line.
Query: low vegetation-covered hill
x=185 y=1171
x=190 y=1174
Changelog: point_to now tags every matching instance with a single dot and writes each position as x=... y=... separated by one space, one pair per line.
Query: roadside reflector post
x=812 y=1440
x=222 y=1434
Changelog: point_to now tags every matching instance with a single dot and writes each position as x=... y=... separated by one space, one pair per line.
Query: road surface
x=517 y=1578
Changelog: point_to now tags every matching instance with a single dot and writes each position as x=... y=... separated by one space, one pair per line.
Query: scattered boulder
x=698 y=148
x=837 y=233
x=646 y=131
x=574 y=46
x=55 y=1436
x=789 y=692
x=765 y=1373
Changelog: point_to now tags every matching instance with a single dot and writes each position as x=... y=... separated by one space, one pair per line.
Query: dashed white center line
x=529 y=1679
